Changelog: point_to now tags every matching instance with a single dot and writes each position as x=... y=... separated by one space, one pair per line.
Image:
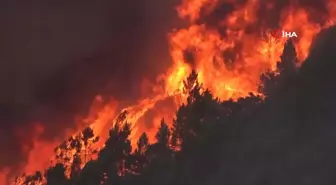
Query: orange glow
x=191 y=8
x=3 y=176
x=228 y=63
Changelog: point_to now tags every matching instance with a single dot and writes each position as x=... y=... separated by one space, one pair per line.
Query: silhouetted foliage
x=248 y=141
x=112 y=158
x=75 y=167
x=56 y=175
x=286 y=68
x=288 y=62
x=140 y=158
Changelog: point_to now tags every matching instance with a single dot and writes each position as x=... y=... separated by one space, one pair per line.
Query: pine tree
x=160 y=169
x=140 y=158
x=270 y=81
x=112 y=158
x=288 y=62
x=163 y=135
x=181 y=129
x=191 y=86
x=142 y=144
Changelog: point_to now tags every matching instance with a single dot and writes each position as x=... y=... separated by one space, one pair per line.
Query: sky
x=55 y=56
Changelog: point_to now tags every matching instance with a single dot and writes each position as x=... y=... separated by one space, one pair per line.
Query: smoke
x=274 y=9
x=57 y=55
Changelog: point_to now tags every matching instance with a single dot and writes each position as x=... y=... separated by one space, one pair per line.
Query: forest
x=284 y=137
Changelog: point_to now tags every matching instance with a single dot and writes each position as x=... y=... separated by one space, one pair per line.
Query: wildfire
x=228 y=44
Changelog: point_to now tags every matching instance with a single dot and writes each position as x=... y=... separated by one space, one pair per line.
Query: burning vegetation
x=224 y=64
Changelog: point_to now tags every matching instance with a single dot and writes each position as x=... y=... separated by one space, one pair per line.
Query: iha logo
x=288 y=34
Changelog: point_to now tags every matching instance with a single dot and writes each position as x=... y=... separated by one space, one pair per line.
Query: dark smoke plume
x=57 y=55
x=272 y=8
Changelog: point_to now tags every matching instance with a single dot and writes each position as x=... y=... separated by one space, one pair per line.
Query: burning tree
x=223 y=39
x=286 y=68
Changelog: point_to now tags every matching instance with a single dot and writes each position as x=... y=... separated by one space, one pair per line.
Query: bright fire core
x=229 y=54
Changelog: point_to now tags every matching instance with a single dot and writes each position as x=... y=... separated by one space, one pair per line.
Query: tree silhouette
x=270 y=81
x=89 y=139
x=56 y=175
x=35 y=179
x=191 y=86
x=140 y=159
x=142 y=144
x=91 y=174
x=112 y=158
x=288 y=62
x=163 y=135
x=75 y=167
x=160 y=169
x=182 y=129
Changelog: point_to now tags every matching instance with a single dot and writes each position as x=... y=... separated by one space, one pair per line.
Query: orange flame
x=229 y=62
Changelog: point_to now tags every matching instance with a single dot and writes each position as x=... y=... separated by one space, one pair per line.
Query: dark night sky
x=56 y=55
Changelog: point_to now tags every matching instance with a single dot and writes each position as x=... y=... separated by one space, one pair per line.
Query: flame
x=191 y=8
x=229 y=54
x=3 y=175
x=101 y=114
